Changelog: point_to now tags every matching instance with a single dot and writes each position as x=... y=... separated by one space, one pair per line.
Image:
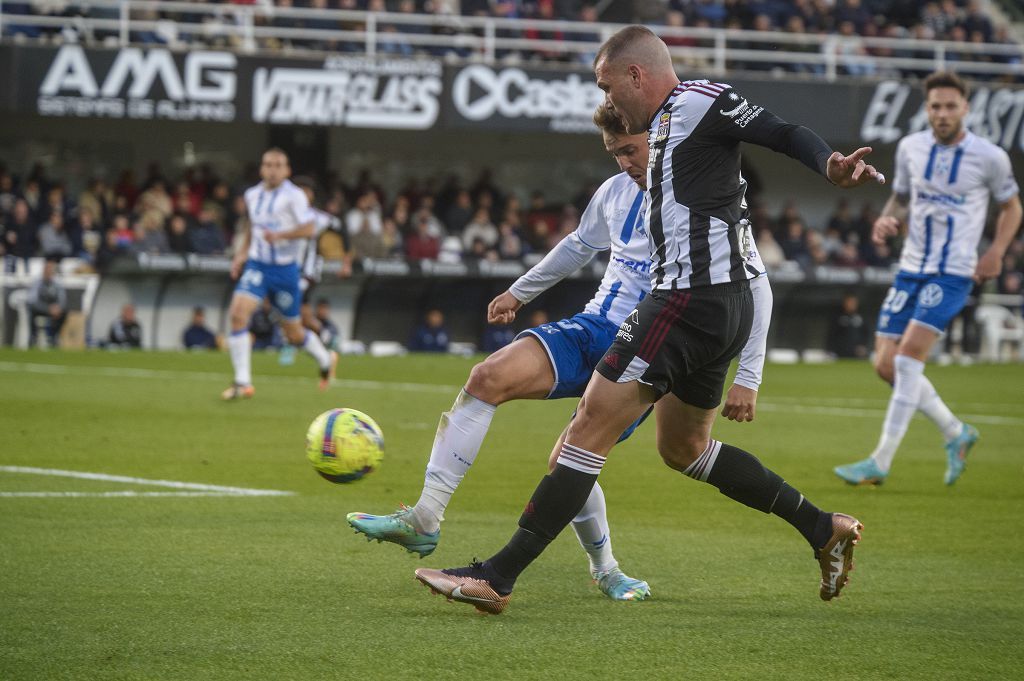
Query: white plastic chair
x=998 y=326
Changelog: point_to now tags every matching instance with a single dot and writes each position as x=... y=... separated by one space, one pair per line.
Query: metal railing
x=315 y=33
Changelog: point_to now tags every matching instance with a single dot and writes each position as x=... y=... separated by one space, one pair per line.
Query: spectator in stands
x=510 y=245
x=848 y=332
x=365 y=216
x=496 y=336
x=47 y=301
x=793 y=243
x=177 y=234
x=480 y=227
x=156 y=200
x=421 y=245
x=99 y=199
x=431 y=336
x=459 y=214
x=841 y=219
x=367 y=244
x=264 y=329
x=54 y=241
x=196 y=336
x=205 y=237
x=8 y=197
x=771 y=253
x=125 y=331
x=150 y=236
x=90 y=236
x=425 y=212
x=33 y=197
x=20 y=232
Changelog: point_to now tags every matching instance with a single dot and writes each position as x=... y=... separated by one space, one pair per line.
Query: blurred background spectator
x=431 y=335
x=196 y=335
x=125 y=331
x=47 y=304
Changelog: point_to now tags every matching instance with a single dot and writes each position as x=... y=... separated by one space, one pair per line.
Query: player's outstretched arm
x=852 y=171
x=741 y=400
x=568 y=256
x=990 y=264
x=503 y=308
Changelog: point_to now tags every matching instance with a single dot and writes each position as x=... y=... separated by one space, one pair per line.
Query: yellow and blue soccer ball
x=344 y=445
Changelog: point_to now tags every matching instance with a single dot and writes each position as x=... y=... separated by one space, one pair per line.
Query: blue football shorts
x=280 y=282
x=932 y=300
x=574 y=347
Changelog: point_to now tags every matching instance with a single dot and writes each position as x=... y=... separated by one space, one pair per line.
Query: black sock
x=740 y=476
x=555 y=502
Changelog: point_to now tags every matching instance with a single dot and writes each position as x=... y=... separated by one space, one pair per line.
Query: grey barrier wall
x=386 y=300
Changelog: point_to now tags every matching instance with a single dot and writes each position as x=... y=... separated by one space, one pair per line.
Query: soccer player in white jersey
x=268 y=266
x=946 y=176
x=556 y=360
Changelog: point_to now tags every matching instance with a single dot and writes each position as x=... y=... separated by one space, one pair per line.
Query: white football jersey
x=614 y=219
x=949 y=190
x=276 y=210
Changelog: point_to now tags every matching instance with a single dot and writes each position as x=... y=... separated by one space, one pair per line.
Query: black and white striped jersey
x=696 y=190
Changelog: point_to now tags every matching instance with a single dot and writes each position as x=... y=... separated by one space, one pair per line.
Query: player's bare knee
x=487 y=384
x=884 y=368
x=678 y=454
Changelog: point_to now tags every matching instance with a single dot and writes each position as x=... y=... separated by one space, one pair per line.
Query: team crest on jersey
x=741 y=106
x=930 y=296
x=284 y=299
x=663 y=126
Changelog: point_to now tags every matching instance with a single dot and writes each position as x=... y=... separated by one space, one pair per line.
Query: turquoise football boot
x=396 y=528
x=864 y=472
x=956 y=452
x=616 y=585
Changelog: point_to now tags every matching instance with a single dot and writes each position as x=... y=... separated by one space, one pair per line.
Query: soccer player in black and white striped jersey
x=674 y=349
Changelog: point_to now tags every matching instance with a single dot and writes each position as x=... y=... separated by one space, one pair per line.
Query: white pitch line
x=776 y=404
x=123 y=493
x=173 y=484
x=987 y=419
x=129 y=372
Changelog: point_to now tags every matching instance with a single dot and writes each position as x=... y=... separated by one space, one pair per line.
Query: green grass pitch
x=278 y=587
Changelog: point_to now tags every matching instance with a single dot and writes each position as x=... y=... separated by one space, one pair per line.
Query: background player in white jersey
x=268 y=263
x=946 y=175
x=312 y=265
x=557 y=360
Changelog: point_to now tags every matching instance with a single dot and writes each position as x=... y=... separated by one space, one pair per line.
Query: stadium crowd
x=443 y=219
x=961 y=21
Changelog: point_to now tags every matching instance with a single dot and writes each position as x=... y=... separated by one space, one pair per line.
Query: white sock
x=902 y=405
x=460 y=433
x=240 y=347
x=932 y=406
x=591 y=527
x=315 y=347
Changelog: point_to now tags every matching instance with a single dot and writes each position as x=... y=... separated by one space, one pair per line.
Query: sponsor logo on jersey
x=944 y=199
x=740 y=108
x=748 y=114
x=635 y=266
x=930 y=296
x=634 y=316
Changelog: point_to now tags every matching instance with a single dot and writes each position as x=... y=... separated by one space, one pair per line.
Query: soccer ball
x=344 y=445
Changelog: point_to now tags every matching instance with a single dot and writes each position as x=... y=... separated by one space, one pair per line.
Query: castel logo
x=358 y=93
x=480 y=93
x=144 y=84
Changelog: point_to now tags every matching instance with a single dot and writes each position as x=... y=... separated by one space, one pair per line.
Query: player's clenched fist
x=502 y=309
x=884 y=227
